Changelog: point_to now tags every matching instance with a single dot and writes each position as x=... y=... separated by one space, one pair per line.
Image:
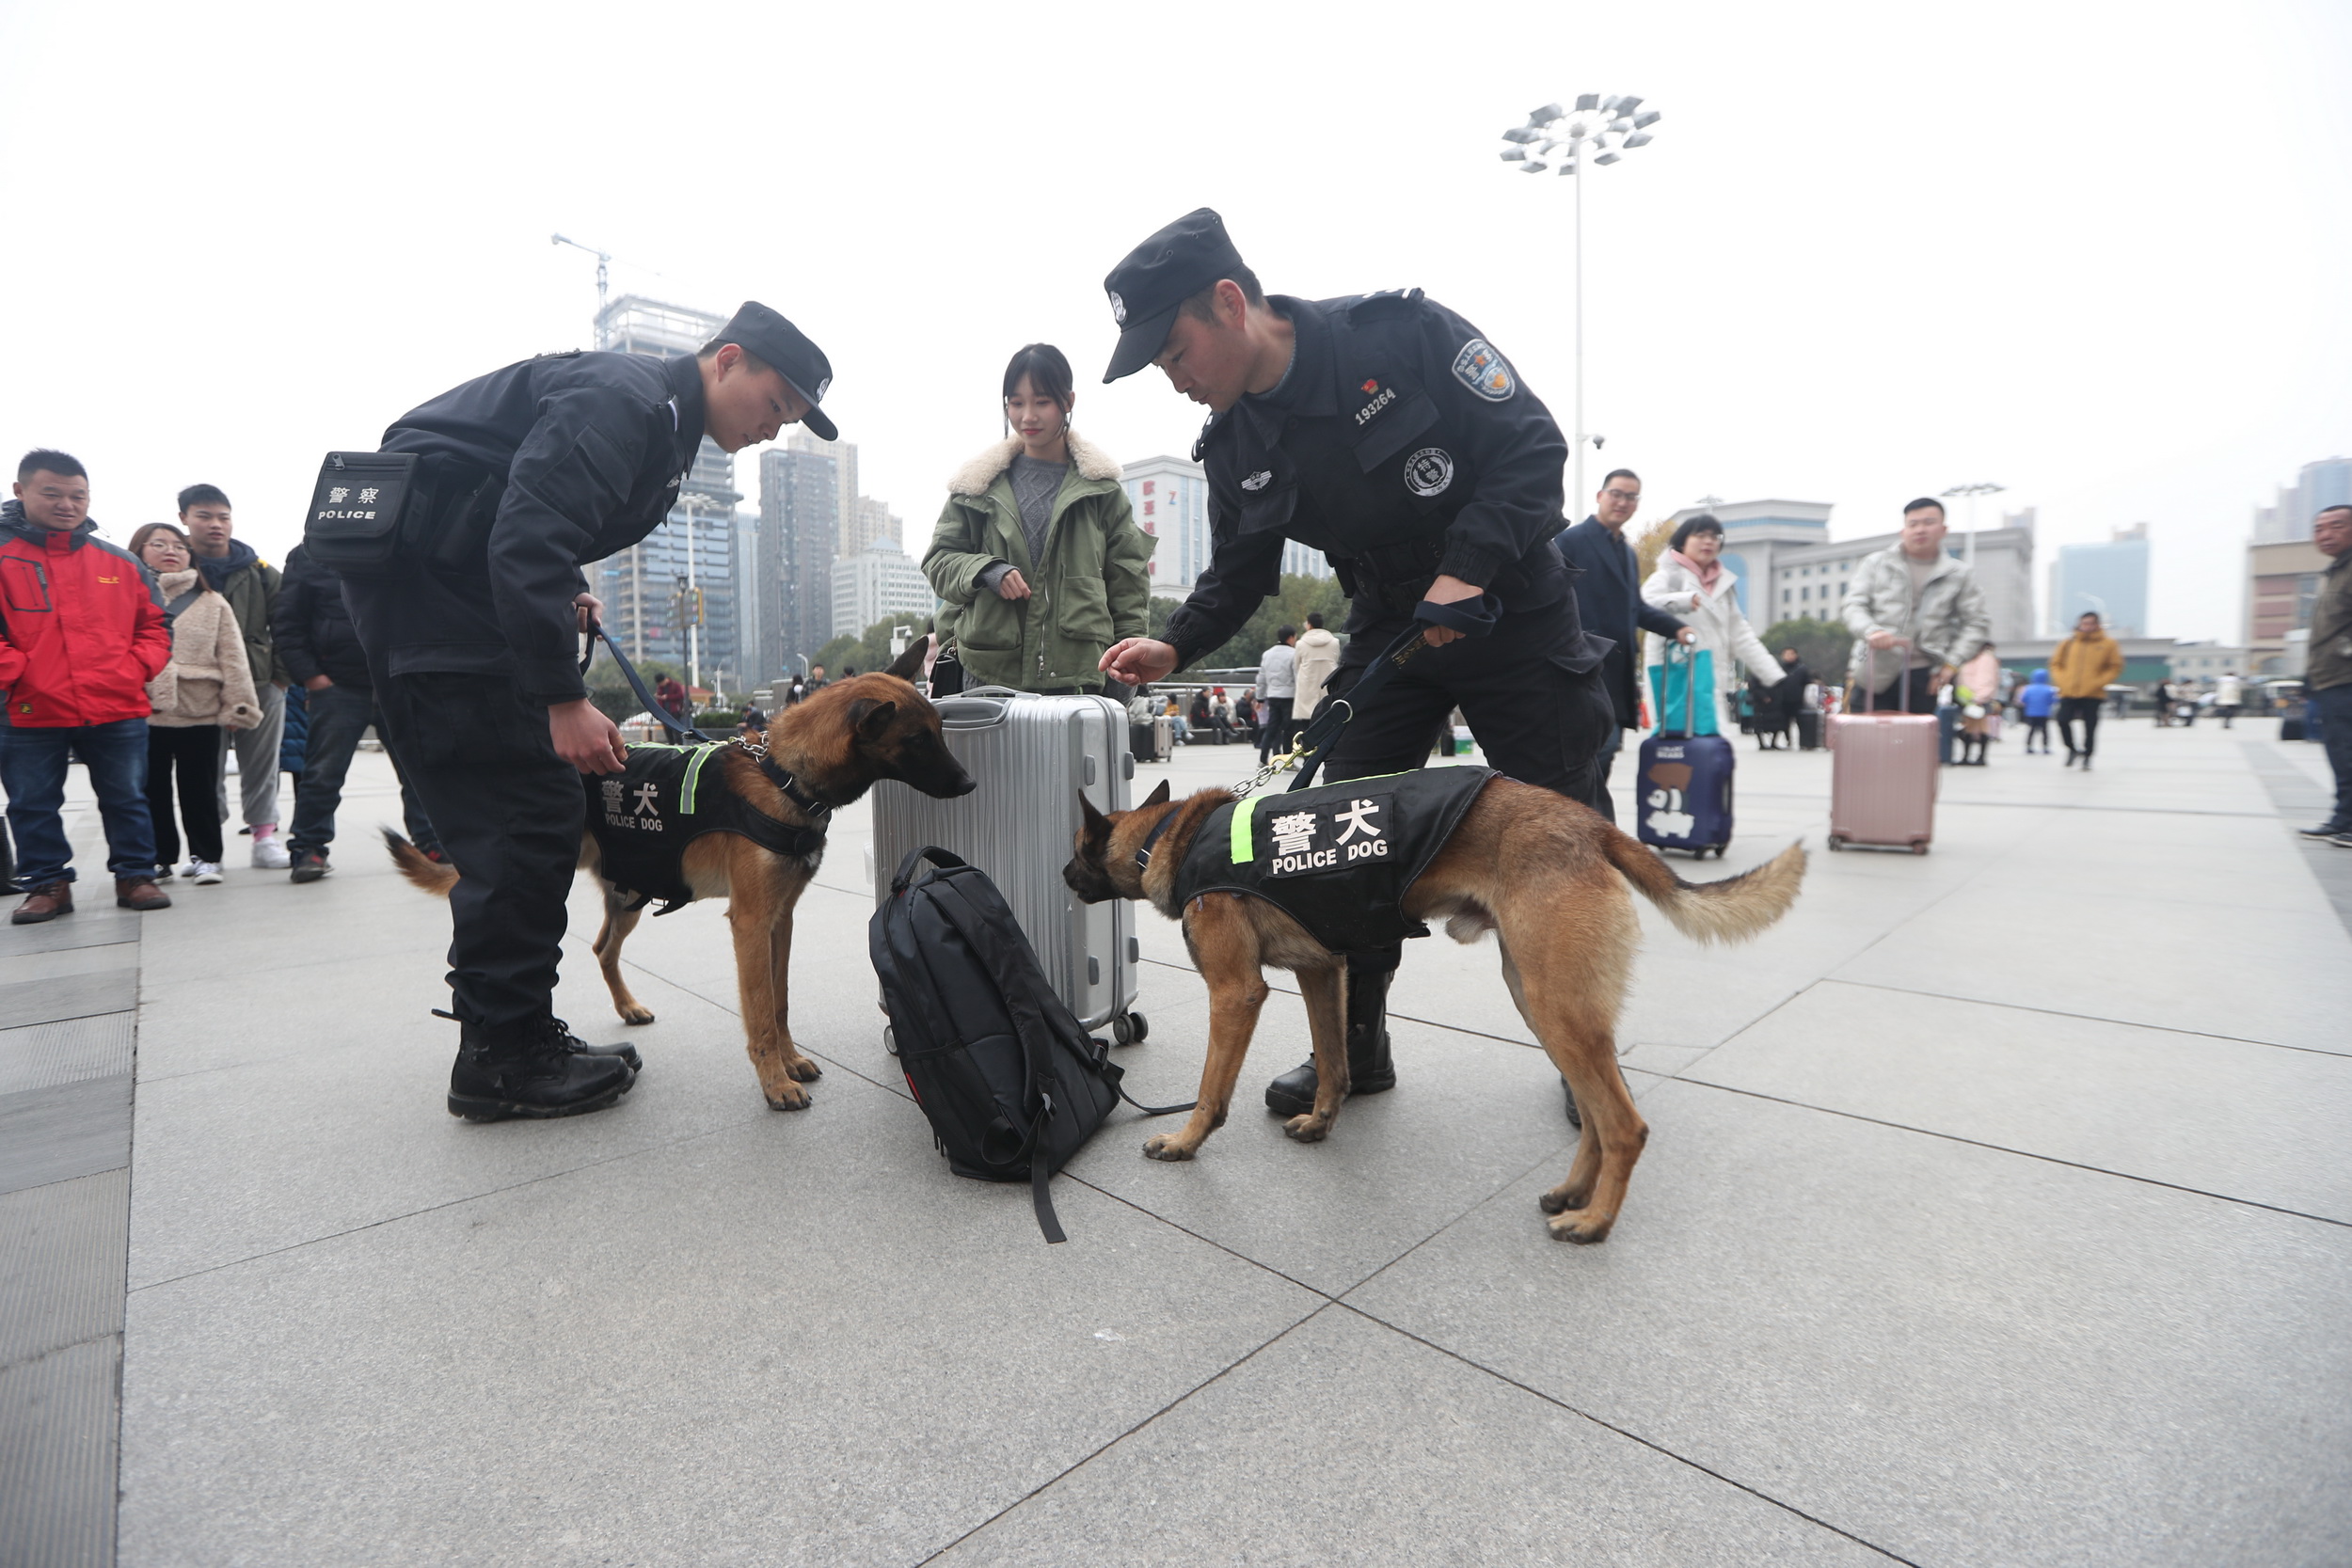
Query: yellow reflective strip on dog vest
x=693 y=776
x=1245 y=850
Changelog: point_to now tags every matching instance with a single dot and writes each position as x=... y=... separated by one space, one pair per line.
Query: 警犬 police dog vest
x=1336 y=858
x=644 y=817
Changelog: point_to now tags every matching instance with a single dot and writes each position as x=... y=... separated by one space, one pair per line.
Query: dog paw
x=803 y=1070
x=789 y=1098
x=1308 y=1128
x=1581 y=1228
x=636 y=1015
x=1561 y=1199
x=1166 y=1146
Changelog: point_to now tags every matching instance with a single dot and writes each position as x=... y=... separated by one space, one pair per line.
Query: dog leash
x=1471 y=618
x=797 y=793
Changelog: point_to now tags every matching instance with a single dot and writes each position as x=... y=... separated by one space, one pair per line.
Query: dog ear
x=909 y=665
x=1098 y=826
x=1157 y=797
x=871 y=719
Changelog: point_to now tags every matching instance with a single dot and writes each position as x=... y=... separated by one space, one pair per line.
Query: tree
x=1288 y=606
x=1648 y=546
x=611 y=693
x=1824 y=645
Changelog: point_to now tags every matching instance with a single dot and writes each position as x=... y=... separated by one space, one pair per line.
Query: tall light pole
x=1971 y=492
x=1598 y=131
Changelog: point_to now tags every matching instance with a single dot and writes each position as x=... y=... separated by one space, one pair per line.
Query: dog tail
x=434 y=876
x=1732 y=909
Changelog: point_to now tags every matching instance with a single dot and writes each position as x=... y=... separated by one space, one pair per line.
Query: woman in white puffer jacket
x=1692 y=582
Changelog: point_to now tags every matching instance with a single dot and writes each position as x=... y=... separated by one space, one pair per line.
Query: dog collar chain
x=794 y=791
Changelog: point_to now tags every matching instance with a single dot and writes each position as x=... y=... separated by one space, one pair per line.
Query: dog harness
x=1336 y=859
x=644 y=817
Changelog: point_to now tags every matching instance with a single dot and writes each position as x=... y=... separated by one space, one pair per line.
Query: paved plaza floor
x=1997 y=1209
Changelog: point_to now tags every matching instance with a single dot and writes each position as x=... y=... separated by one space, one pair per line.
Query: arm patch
x=1483 y=370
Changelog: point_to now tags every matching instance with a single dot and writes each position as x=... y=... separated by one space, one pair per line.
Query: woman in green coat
x=1037 y=552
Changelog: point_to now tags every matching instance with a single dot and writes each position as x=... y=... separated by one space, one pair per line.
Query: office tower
x=2109 y=578
x=879 y=580
x=800 y=519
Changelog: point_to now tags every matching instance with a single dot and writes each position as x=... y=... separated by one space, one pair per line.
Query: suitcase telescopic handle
x=1870 y=675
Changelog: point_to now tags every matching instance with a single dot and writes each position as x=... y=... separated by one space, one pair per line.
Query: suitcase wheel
x=1836 y=843
x=1130 y=1028
x=1918 y=848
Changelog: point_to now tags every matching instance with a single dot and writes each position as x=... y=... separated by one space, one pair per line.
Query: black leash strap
x=1470 y=618
x=676 y=727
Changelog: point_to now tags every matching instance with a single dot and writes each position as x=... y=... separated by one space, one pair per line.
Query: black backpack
x=1011 y=1082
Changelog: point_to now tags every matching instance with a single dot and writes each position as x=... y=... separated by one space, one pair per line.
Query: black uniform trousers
x=1538 y=721
x=509 y=812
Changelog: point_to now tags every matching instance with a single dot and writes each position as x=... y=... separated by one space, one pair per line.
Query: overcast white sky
x=2094 y=252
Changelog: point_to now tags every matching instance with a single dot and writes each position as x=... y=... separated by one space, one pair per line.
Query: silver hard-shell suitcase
x=1030 y=757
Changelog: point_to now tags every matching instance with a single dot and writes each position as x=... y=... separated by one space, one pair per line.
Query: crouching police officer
x=1383 y=431
x=471 y=637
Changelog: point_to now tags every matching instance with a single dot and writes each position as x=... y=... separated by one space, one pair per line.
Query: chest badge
x=1380 y=400
x=1429 y=472
x=1484 y=371
x=1259 y=481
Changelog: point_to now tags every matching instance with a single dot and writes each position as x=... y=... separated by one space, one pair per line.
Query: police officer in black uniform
x=527 y=474
x=1383 y=430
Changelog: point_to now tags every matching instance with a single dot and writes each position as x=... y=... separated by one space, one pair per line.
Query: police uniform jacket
x=534 y=470
x=1400 y=444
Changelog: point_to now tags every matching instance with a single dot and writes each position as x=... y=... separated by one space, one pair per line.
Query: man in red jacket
x=82 y=632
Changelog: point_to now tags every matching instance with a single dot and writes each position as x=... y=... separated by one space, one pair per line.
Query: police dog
x=1546 y=872
x=836 y=744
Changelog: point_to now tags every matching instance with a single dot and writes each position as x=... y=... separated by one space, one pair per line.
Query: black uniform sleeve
x=1513 y=444
x=573 y=470
x=1652 y=619
x=290 y=619
x=1239 y=573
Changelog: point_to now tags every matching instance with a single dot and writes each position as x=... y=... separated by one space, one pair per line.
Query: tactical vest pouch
x=355 y=519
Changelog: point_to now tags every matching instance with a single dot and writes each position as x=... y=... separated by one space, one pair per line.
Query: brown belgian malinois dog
x=836 y=744
x=1546 y=872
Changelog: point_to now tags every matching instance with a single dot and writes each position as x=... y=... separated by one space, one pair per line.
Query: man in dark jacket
x=233 y=569
x=1609 y=600
x=314 y=638
x=1383 y=431
x=82 y=632
x=471 y=639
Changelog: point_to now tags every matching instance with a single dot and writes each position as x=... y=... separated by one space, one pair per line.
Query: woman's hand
x=1012 y=586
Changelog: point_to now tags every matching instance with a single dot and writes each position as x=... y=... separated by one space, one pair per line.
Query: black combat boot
x=534 y=1068
x=1369 y=1069
x=577 y=1047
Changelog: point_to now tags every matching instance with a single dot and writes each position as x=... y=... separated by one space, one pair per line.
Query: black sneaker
x=2341 y=841
x=2327 y=831
x=310 y=865
x=532 y=1071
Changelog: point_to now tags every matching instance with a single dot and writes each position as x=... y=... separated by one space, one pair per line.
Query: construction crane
x=604 y=264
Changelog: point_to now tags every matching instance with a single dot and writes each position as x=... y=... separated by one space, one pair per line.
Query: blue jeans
x=339 y=716
x=2333 y=708
x=32 y=769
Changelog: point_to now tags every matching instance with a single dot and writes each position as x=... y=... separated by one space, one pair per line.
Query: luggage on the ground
x=1883 y=775
x=1809 y=731
x=1010 y=1083
x=1682 y=791
x=1030 y=757
x=2292 y=728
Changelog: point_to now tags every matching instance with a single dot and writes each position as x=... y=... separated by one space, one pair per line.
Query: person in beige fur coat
x=204 y=692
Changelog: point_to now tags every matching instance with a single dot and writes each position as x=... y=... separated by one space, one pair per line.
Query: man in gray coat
x=250 y=585
x=1914 y=593
x=1277 y=685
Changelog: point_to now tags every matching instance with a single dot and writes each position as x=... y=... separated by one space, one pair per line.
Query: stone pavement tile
x=105 y=990
x=84 y=927
x=2263 y=1123
x=61 y=1247
x=58 y=963
x=249 y=1159
x=57 y=1437
x=64 y=1132
x=2104 y=952
x=1958 y=1354
x=1345 y=1442
x=197 y=1024
x=1468 y=1117
x=39 y=1055
x=350 y=915
x=725 y=1351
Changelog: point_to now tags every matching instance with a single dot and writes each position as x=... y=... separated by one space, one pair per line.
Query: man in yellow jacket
x=2082 y=667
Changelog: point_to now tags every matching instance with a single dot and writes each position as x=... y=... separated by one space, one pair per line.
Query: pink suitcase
x=1882 y=778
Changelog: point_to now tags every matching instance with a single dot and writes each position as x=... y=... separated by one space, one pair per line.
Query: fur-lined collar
x=974 y=477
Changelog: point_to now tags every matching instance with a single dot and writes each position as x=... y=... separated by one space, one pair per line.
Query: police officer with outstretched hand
x=471 y=635
x=1386 y=432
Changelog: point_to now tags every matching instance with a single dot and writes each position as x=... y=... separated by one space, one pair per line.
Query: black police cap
x=1158 y=275
x=786 y=349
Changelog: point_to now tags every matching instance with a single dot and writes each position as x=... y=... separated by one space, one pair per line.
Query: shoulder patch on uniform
x=1483 y=370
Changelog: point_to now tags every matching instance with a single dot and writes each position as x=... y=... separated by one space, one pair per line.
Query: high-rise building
x=800 y=519
x=2318 y=486
x=873 y=520
x=1170 y=497
x=879 y=580
x=2110 y=578
x=671 y=597
x=750 y=592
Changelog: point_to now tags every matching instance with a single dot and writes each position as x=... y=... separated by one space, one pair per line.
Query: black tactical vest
x=1336 y=859
x=644 y=817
